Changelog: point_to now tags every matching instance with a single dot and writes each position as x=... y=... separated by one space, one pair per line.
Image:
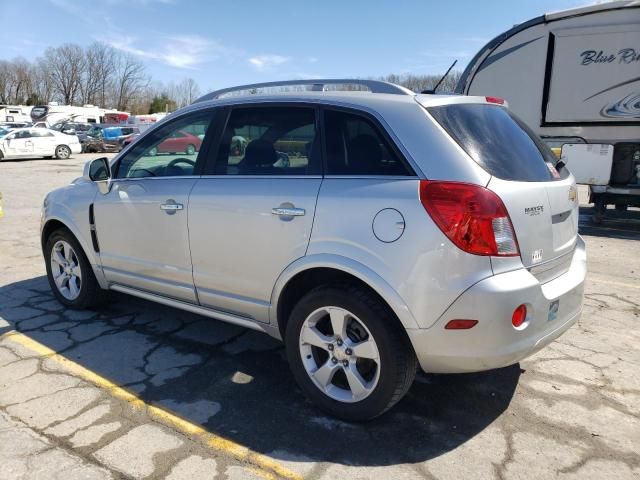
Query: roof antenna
x=433 y=90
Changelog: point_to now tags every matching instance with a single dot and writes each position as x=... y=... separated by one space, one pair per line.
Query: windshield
x=95 y=132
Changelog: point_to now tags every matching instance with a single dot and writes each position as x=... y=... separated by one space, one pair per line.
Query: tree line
x=101 y=75
x=97 y=74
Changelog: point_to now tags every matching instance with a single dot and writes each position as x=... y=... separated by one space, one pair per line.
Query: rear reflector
x=472 y=217
x=519 y=316
x=460 y=324
x=498 y=100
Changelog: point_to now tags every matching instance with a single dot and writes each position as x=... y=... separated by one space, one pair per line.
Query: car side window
x=24 y=134
x=356 y=146
x=270 y=141
x=40 y=133
x=160 y=154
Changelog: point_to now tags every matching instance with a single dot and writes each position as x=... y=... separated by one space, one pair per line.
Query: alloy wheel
x=339 y=354
x=65 y=268
x=63 y=152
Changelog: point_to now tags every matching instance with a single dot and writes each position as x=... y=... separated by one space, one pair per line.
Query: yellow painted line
x=266 y=467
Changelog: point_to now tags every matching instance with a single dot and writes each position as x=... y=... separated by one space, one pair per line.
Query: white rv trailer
x=15 y=113
x=574 y=77
x=53 y=113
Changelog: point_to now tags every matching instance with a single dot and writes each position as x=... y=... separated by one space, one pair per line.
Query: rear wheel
x=191 y=149
x=69 y=273
x=63 y=152
x=348 y=353
x=621 y=207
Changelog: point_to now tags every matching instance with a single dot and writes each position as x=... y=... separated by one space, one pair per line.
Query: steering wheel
x=175 y=161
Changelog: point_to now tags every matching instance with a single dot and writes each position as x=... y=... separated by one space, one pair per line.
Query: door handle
x=171 y=207
x=288 y=211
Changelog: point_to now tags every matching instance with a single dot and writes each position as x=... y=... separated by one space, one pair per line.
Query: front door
x=252 y=215
x=141 y=223
x=18 y=144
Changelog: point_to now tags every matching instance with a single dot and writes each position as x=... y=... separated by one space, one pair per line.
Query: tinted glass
x=269 y=141
x=498 y=141
x=163 y=154
x=355 y=146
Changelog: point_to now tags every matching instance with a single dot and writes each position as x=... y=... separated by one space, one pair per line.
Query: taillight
x=498 y=100
x=472 y=217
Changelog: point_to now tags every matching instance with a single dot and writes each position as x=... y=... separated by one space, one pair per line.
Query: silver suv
x=372 y=231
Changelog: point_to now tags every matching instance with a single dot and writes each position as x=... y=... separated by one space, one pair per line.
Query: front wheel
x=63 y=152
x=348 y=353
x=70 y=275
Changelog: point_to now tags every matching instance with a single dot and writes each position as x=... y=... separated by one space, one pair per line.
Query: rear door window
x=270 y=141
x=356 y=146
x=498 y=141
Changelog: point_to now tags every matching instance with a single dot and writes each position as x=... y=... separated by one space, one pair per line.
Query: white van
x=574 y=78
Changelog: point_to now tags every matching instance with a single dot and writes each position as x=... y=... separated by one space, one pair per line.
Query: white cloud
x=180 y=51
x=267 y=62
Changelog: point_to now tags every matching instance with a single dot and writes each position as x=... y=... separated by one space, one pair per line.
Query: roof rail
x=375 y=86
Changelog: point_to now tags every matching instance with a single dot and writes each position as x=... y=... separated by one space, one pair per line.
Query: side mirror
x=69 y=131
x=99 y=171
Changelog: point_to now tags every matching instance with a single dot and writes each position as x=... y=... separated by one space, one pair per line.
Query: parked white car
x=37 y=142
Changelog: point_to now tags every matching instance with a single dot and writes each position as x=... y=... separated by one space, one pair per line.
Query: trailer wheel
x=599 y=209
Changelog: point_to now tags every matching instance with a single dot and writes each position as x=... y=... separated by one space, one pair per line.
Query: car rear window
x=498 y=141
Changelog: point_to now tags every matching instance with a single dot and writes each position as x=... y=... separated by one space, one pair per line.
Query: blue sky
x=223 y=43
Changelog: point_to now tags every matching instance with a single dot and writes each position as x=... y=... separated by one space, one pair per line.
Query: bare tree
x=130 y=81
x=42 y=82
x=100 y=64
x=6 y=81
x=418 y=83
x=66 y=65
x=187 y=91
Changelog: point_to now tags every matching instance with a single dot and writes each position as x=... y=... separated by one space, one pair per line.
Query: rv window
x=498 y=141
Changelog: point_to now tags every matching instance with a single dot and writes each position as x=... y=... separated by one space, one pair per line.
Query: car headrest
x=259 y=153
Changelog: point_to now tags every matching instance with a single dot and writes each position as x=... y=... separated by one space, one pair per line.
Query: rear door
x=44 y=142
x=251 y=215
x=541 y=201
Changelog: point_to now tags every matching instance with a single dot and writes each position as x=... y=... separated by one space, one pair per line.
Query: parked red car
x=179 y=142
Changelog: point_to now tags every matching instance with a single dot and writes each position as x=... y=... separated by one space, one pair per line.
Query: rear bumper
x=494 y=342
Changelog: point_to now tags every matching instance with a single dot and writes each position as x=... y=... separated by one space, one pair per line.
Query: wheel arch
x=312 y=271
x=55 y=223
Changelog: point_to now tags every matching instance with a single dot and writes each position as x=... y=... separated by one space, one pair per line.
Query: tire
x=621 y=207
x=599 y=209
x=191 y=149
x=63 y=152
x=383 y=381
x=153 y=152
x=87 y=293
